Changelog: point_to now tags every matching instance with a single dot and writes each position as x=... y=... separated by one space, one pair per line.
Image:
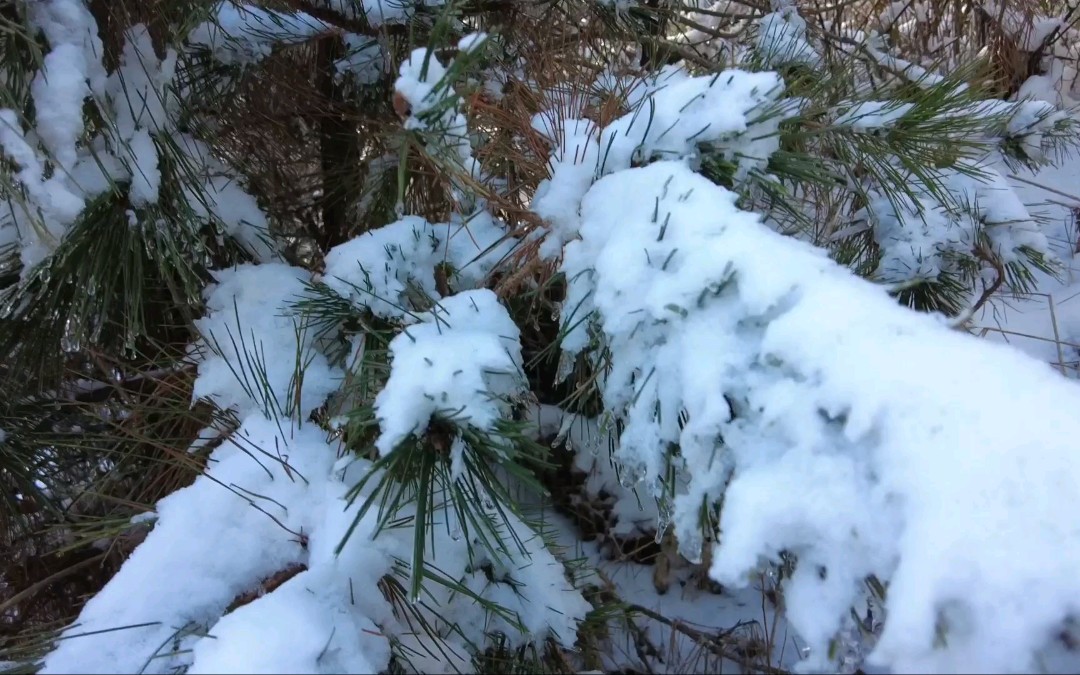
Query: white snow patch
x=848 y=468
x=460 y=361
x=254 y=348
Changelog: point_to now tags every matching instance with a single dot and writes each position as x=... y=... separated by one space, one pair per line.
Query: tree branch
x=710 y=642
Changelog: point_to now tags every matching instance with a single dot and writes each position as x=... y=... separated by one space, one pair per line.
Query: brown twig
x=268 y=585
x=710 y=642
x=988 y=291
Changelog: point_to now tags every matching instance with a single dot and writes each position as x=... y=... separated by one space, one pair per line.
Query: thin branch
x=711 y=642
x=988 y=291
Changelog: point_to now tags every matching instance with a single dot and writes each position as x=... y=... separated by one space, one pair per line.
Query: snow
x=139 y=109
x=847 y=468
x=916 y=240
x=220 y=197
x=459 y=361
x=306 y=621
x=240 y=34
x=145 y=176
x=364 y=61
x=727 y=111
x=782 y=38
x=420 y=80
x=873 y=115
x=738 y=615
x=930 y=227
x=635 y=89
x=433 y=107
x=1045 y=324
x=875 y=48
x=644 y=283
x=211 y=542
x=1039 y=88
x=727 y=340
x=70 y=72
x=380 y=12
x=250 y=357
x=526 y=579
x=274 y=498
x=1029 y=31
x=139 y=90
x=72 y=69
x=58 y=90
x=921 y=239
x=573 y=171
x=141 y=101
x=281 y=485
x=472 y=42
x=54 y=202
x=1025 y=121
x=376 y=269
x=69 y=22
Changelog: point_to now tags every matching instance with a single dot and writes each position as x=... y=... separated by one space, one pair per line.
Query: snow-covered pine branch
x=733 y=355
x=920 y=470
x=768 y=406
x=277 y=496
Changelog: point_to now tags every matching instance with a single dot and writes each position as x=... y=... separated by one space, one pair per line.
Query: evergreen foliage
x=312 y=311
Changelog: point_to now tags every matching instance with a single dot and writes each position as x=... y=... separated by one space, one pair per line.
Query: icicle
x=8 y=307
x=593 y=443
x=690 y=547
x=663 y=522
x=566 y=366
x=564 y=430
x=607 y=424
x=69 y=341
x=629 y=477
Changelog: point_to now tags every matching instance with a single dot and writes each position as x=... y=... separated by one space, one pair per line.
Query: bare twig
x=988 y=291
x=713 y=643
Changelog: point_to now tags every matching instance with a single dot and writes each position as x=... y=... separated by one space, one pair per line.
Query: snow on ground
x=743 y=615
x=691 y=614
x=1046 y=324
